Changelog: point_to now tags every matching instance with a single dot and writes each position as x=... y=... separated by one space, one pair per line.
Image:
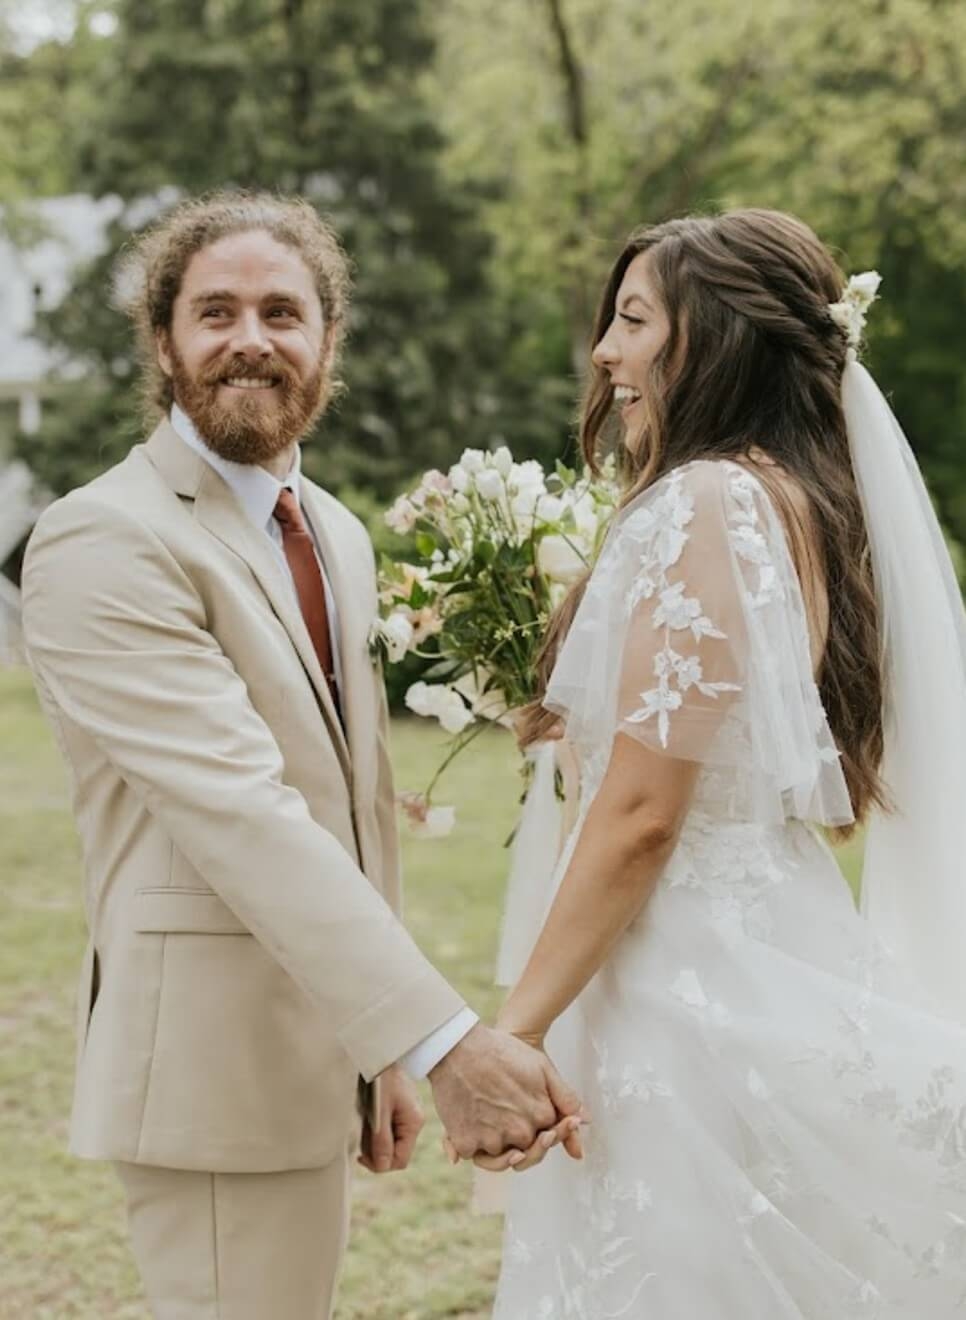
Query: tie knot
x=287 y=512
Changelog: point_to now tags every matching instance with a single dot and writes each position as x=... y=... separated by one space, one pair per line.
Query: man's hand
x=495 y=1094
x=400 y=1123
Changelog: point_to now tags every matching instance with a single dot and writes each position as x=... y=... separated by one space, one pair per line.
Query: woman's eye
x=631 y=320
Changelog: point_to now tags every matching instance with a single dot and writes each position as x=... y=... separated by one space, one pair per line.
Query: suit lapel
x=218 y=511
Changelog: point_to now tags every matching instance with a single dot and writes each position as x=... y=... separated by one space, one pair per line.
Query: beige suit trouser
x=238 y=1246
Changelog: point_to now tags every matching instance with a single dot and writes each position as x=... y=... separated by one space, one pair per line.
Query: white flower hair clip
x=850 y=312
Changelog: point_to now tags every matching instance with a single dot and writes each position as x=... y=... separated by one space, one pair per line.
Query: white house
x=34 y=278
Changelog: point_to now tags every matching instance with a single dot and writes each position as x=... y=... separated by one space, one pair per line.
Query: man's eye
x=210 y=312
x=286 y=312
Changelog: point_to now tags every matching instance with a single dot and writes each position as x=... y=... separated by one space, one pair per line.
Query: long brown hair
x=753 y=366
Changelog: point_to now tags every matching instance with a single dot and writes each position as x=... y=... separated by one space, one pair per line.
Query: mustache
x=237 y=366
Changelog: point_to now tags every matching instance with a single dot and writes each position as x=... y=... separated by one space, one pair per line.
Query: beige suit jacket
x=245 y=964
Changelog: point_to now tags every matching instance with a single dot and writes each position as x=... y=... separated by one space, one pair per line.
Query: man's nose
x=250 y=337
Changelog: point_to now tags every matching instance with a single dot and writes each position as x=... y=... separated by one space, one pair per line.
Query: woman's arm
x=630 y=832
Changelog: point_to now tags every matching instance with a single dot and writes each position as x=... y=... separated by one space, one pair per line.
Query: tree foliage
x=321 y=98
x=484 y=158
x=584 y=120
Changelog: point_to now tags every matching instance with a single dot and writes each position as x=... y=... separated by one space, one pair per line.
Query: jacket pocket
x=187 y=911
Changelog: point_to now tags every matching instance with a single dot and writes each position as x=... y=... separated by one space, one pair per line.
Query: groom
x=197 y=621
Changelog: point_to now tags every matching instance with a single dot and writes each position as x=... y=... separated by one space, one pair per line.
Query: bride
x=770 y=646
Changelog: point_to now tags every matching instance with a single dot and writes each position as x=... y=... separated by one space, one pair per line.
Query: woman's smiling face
x=637 y=333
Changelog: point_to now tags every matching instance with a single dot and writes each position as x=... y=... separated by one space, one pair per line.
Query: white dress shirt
x=257 y=491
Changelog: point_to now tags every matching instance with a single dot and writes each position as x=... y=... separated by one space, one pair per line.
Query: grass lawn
x=417 y=1253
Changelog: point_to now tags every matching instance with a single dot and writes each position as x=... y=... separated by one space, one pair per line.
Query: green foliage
x=610 y=116
x=483 y=159
x=324 y=99
x=44 y=96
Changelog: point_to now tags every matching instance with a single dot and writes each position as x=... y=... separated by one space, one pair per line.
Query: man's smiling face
x=247 y=352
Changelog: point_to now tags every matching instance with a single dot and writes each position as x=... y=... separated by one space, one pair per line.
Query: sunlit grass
x=417 y=1253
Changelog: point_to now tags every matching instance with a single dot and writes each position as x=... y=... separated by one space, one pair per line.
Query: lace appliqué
x=662 y=533
x=736 y=870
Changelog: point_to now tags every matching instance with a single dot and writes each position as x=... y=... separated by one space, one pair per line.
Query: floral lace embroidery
x=661 y=532
x=737 y=876
x=736 y=868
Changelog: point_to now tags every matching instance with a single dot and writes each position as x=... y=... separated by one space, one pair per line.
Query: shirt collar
x=256 y=490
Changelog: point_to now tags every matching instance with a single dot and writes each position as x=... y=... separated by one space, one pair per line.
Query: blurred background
x=483 y=160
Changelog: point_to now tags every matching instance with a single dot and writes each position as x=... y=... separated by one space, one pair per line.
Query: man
x=197 y=621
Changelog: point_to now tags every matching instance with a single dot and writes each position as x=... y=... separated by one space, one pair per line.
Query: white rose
x=422 y=699
x=490 y=485
x=586 y=517
x=459 y=504
x=528 y=476
x=550 y=509
x=523 y=506
x=459 y=478
x=558 y=560
x=452 y=712
x=472 y=461
x=503 y=461
x=398 y=634
x=436 y=824
x=490 y=705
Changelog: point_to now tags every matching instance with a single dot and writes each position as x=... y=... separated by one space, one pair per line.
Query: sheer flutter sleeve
x=692 y=638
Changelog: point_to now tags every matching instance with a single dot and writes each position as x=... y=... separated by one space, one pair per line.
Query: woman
x=777 y=1086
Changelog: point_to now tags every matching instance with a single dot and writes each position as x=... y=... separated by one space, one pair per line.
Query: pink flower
x=425 y=821
x=401 y=518
x=426 y=623
x=436 y=480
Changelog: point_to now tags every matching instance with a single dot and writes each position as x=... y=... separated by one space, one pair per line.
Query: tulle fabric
x=778 y=1106
x=914 y=881
x=692 y=638
x=778 y=1127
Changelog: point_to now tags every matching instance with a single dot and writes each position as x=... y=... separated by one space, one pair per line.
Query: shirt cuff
x=423 y=1058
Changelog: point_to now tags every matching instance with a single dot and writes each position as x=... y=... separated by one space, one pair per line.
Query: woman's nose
x=605 y=352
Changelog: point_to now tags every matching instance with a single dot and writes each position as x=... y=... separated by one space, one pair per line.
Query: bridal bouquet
x=497 y=545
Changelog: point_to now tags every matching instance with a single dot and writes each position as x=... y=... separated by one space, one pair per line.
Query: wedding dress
x=778 y=1106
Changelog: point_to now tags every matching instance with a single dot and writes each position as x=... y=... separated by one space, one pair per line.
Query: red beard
x=248 y=428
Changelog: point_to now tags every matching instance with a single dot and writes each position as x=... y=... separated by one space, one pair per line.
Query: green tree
x=582 y=121
x=44 y=94
x=322 y=97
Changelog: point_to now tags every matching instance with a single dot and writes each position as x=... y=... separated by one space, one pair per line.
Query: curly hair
x=151 y=268
x=753 y=364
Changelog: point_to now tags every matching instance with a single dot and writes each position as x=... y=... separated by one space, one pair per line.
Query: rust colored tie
x=299 y=550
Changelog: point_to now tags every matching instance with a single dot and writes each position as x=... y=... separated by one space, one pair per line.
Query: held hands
x=503 y=1103
x=390 y=1147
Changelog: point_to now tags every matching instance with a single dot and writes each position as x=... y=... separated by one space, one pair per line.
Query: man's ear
x=163 y=346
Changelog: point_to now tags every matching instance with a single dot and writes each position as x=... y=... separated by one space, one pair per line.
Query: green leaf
x=445 y=669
